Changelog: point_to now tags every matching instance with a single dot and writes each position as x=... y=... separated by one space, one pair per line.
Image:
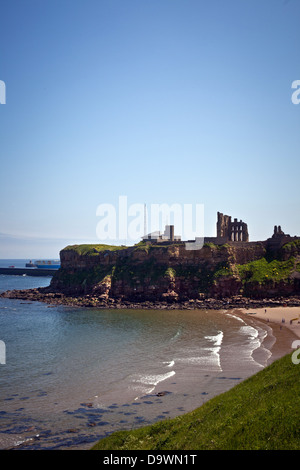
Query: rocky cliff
x=169 y=272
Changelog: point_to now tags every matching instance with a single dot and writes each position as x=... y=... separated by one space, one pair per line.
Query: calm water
x=72 y=376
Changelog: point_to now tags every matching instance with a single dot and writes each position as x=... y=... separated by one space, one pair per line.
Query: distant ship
x=47 y=264
x=30 y=265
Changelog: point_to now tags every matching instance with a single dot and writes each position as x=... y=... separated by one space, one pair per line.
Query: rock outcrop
x=169 y=276
x=165 y=272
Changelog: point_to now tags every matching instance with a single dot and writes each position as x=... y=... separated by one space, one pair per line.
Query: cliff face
x=172 y=273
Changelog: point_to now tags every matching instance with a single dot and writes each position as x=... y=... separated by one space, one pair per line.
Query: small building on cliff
x=167 y=236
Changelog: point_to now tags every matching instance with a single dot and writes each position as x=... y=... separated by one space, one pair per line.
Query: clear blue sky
x=164 y=101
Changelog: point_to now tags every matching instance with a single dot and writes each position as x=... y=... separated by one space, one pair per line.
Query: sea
x=71 y=376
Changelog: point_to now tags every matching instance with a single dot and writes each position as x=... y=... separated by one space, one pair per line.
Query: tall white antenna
x=145 y=220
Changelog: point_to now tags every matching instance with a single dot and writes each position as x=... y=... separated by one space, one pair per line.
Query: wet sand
x=285 y=323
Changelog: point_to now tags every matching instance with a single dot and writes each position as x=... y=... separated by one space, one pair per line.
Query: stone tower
x=236 y=231
x=223 y=226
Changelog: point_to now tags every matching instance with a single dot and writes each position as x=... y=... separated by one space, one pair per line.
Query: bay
x=74 y=375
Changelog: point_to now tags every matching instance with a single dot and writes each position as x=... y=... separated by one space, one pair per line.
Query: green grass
x=262 y=271
x=262 y=412
x=291 y=247
x=93 y=249
x=170 y=272
x=142 y=246
x=223 y=270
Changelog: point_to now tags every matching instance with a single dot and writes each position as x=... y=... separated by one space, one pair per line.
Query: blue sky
x=163 y=101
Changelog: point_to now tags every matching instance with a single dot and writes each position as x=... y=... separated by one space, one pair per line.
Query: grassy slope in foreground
x=262 y=412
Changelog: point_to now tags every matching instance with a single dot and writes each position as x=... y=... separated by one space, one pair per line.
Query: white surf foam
x=235 y=316
x=146 y=383
x=216 y=339
x=207 y=357
x=169 y=363
x=256 y=336
x=251 y=343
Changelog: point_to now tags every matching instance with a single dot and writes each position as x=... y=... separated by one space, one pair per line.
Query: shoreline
x=285 y=324
x=282 y=316
x=278 y=340
x=284 y=333
x=46 y=295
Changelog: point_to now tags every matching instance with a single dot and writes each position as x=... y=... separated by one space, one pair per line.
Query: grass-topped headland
x=168 y=271
x=260 y=413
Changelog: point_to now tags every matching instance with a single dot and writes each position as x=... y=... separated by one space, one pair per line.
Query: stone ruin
x=279 y=238
x=236 y=231
x=229 y=231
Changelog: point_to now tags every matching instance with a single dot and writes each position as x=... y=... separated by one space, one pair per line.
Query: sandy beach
x=285 y=323
x=283 y=316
